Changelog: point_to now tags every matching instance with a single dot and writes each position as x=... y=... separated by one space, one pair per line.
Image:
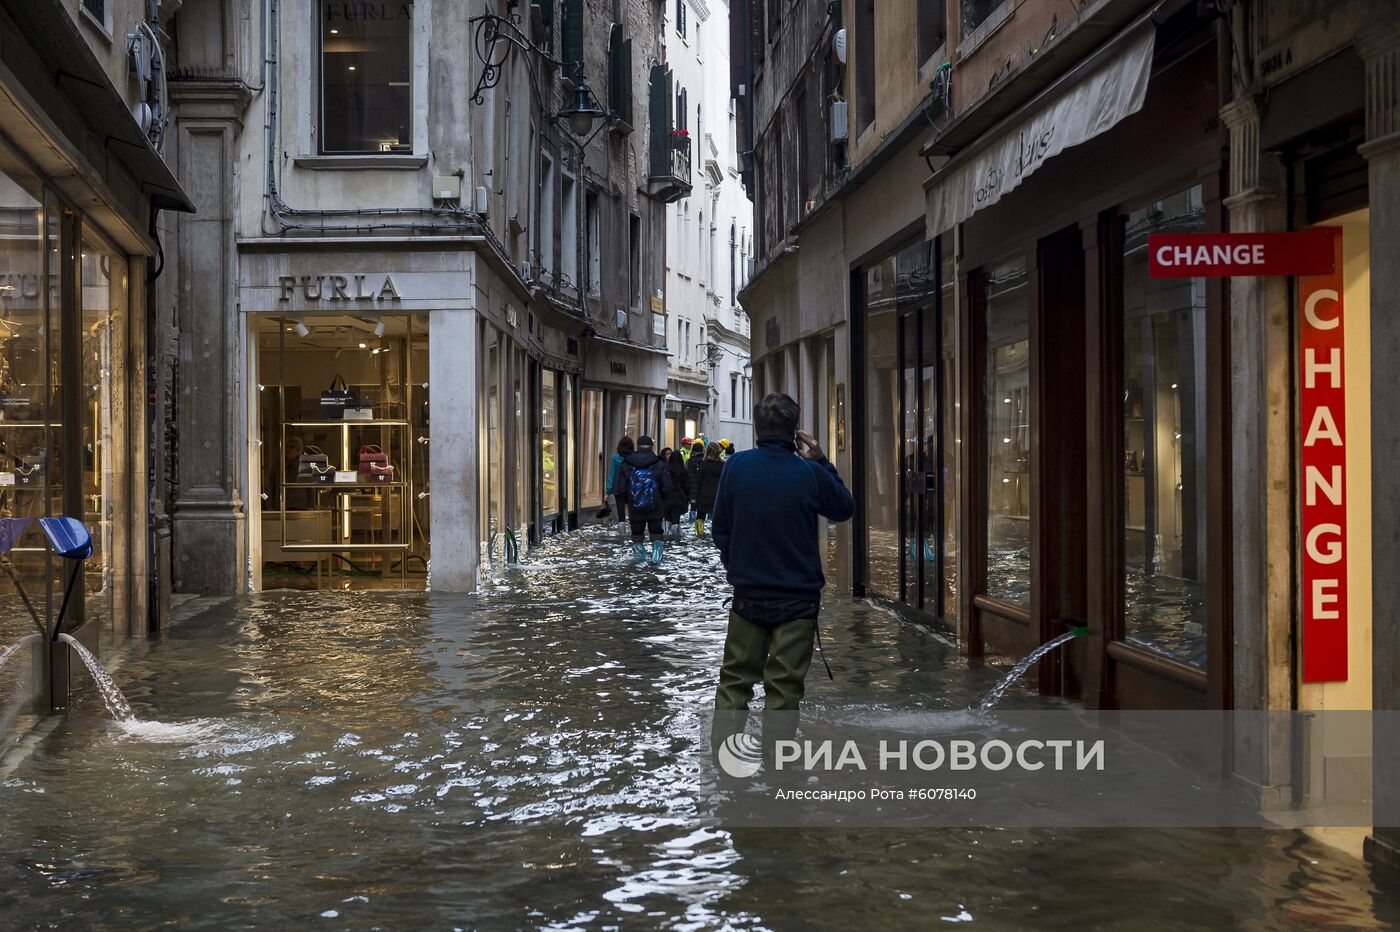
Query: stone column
x=1380 y=49
x=208 y=527
x=452 y=338
x=1261 y=444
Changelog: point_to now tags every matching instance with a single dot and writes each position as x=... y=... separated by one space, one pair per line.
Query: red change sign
x=1215 y=255
x=1322 y=459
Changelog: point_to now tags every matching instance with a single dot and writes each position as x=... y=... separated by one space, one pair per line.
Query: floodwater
x=509 y=760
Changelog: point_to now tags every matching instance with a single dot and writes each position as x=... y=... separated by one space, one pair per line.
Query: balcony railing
x=670 y=165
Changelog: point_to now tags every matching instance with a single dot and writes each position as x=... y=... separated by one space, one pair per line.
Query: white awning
x=1091 y=105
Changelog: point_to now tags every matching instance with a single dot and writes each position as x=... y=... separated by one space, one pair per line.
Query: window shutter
x=626 y=110
x=573 y=35
x=659 y=92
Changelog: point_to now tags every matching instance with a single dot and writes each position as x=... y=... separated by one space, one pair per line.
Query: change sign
x=1322 y=457
x=1216 y=255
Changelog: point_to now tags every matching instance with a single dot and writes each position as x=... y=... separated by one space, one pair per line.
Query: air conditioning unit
x=840 y=121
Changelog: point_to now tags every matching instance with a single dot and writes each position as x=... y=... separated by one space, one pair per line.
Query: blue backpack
x=641 y=489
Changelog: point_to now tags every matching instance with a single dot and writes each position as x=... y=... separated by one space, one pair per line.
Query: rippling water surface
x=517 y=759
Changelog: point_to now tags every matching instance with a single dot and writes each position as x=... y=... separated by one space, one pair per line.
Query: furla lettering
x=336 y=288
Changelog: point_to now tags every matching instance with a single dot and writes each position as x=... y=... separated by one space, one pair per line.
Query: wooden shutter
x=573 y=35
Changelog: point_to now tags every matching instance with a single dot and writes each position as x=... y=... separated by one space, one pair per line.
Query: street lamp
x=586 y=108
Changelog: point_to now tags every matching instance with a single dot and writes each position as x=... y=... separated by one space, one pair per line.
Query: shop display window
x=549 y=441
x=106 y=449
x=1164 y=439
x=596 y=454
x=1007 y=407
x=883 y=443
x=29 y=383
x=951 y=438
x=344 y=434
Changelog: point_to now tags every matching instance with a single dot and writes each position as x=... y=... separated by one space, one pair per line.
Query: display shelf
x=343 y=486
x=347 y=499
x=351 y=422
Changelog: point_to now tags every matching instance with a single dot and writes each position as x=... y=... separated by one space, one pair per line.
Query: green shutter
x=627 y=82
x=659 y=93
x=573 y=35
x=546 y=11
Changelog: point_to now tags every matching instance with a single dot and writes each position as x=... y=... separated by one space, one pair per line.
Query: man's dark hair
x=626 y=446
x=775 y=416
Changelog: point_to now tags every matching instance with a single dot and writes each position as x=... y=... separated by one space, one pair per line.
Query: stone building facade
x=953 y=203
x=397 y=215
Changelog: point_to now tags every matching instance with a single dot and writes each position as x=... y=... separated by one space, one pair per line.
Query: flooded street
x=519 y=759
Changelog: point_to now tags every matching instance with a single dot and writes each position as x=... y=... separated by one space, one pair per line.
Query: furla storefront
x=375 y=423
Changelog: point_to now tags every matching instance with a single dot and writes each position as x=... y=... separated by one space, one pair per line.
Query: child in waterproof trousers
x=644 y=481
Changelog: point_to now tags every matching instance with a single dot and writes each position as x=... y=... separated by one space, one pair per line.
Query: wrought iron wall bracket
x=491 y=31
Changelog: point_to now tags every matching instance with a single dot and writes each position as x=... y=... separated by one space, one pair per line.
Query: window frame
x=319 y=90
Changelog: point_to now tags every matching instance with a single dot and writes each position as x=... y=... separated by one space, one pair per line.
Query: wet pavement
x=519 y=759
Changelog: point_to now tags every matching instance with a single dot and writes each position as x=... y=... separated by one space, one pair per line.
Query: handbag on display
x=311 y=457
x=335 y=399
x=29 y=475
x=322 y=474
x=379 y=473
x=359 y=409
x=371 y=455
x=18 y=407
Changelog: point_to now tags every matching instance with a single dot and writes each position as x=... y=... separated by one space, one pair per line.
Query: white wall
x=698 y=274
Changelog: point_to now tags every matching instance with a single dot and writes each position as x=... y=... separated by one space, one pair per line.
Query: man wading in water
x=765 y=525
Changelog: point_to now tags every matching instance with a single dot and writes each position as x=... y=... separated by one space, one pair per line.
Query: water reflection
x=518 y=759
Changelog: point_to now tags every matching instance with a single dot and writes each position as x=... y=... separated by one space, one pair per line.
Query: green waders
x=777 y=657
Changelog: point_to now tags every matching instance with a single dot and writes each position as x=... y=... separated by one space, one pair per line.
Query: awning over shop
x=1086 y=106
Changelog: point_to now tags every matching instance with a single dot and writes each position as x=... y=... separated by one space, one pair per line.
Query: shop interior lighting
x=364 y=346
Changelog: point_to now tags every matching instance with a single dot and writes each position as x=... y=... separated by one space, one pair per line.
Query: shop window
x=105 y=447
x=594 y=455
x=1164 y=440
x=366 y=70
x=1007 y=406
x=882 y=428
x=951 y=438
x=29 y=390
x=933 y=28
x=549 y=441
x=569 y=444
x=342 y=430
x=494 y=455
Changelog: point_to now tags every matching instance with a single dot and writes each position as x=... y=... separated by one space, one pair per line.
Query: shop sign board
x=1219 y=255
x=1322 y=458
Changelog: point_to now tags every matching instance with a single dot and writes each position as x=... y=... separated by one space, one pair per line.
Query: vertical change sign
x=1322 y=410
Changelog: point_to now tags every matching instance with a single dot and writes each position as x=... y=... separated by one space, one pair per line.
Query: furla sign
x=337 y=289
